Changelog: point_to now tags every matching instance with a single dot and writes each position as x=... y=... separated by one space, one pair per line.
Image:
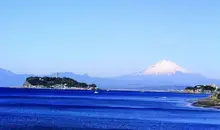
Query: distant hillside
x=8 y=78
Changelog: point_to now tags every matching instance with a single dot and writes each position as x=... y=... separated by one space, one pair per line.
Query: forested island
x=57 y=83
x=202 y=89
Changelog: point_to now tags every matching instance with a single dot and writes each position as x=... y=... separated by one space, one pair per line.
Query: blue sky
x=109 y=37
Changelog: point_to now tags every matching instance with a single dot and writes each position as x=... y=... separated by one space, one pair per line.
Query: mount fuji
x=167 y=73
x=163 y=67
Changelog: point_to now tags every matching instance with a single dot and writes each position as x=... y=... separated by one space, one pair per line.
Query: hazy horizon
x=109 y=38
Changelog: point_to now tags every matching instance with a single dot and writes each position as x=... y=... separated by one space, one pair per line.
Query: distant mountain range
x=8 y=78
x=162 y=75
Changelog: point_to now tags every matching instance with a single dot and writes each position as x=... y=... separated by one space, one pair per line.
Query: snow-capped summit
x=163 y=67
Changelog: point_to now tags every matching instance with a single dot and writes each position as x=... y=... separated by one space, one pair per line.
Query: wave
x=106 y=98
x=65 y=106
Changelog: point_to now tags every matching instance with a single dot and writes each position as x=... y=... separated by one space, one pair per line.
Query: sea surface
x=40 y=109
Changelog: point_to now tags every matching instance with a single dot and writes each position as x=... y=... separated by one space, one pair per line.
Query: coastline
x=77 y=89
x=85 y=89
x=207 y=103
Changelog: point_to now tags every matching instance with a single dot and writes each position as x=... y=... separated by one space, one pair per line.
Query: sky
x=109 y=37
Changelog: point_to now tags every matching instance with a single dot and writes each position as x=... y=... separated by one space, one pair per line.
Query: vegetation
x=212 y=101
x=202 y=89
x=50 y=82
x=190 y=89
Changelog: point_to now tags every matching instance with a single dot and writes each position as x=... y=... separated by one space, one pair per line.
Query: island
x=57 y=83
x=201 y=89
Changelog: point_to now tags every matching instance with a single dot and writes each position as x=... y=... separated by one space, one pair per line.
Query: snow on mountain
x=163 y=67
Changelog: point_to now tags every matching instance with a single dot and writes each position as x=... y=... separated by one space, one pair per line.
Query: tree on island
x=50 y=82
x=190 y=89
x=201 y=88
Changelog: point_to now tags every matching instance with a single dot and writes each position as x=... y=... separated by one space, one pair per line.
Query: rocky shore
x=208 y=103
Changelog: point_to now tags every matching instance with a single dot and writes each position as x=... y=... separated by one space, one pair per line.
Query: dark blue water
x=32 y=109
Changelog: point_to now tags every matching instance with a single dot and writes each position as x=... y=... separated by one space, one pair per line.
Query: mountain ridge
x=173 y=75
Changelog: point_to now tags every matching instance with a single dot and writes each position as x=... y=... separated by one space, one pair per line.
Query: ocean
x=41 y=109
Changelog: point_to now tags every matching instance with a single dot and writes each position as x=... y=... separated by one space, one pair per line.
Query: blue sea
x=40 y=109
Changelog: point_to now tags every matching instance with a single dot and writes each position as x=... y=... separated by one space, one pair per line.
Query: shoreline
x=122 y=90
x=38 y=88
x=207 y=103
x=74 y=88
